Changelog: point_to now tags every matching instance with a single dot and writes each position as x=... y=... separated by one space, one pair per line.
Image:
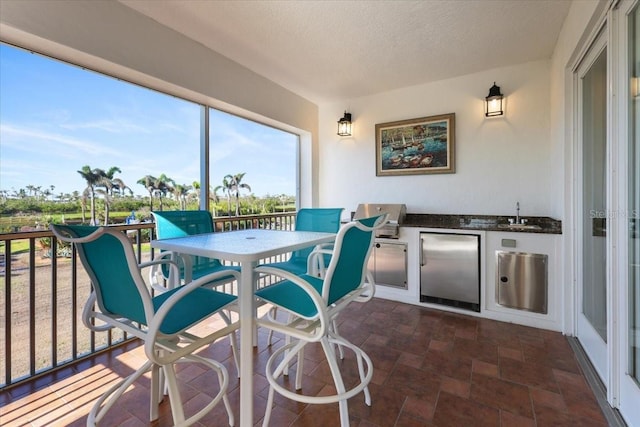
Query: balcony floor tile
x=431 y=368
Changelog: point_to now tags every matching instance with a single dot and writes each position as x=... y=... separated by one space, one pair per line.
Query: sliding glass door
x=591 y=85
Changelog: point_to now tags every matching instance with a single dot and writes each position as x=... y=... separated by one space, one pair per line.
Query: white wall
x=499 y=161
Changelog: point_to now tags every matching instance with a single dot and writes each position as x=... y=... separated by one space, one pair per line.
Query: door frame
x=590 y=342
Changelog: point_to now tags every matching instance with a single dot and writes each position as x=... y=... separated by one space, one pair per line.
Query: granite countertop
x=534 y=224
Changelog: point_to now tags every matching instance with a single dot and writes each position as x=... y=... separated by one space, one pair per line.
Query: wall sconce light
x=493 y=104
x=344 y=125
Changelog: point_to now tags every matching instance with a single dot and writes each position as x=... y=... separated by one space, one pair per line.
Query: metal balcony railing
x=43 y=288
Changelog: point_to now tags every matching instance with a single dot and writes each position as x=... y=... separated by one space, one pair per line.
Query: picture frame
x=416 y=146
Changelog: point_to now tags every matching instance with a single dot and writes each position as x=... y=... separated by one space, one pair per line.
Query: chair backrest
x=109 y=260
x=348 y=266
x=325 y=220
x=170 y=224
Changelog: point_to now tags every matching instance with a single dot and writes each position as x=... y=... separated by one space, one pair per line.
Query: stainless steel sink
x=520 y=226
x=478 y=223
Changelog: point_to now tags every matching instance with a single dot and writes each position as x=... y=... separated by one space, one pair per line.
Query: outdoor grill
x=396 y=212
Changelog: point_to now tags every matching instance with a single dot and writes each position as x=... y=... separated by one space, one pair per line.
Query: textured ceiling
x=335 y=50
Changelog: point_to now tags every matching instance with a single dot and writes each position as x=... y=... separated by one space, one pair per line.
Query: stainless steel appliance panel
x=521 y=281
x=450 y=269
x=396 y=215
x=388 y=263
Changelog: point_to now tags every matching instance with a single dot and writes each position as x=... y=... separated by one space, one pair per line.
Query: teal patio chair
x=325 y=220
x=314 y=303
x=170 y=224
x=308 y=219
x=164 y=322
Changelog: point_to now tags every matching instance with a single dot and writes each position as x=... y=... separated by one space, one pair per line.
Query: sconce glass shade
x=493 y=104
x=344 y=125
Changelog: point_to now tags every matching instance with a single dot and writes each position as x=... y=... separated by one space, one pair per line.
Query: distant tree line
x=106 y=192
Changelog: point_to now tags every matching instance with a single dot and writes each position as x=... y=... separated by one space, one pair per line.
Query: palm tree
x=181 y=192
x=196 y=186
x=104 y=188
x=213 y=196
x=117 y=185
x=94 y=178
x=235 y=186
x=107 y=201
x=120 y=186
x=148 y=181
x=112 y=172
x=162 y=186
x=83 y=204
x=226 y=189
x=157 y=187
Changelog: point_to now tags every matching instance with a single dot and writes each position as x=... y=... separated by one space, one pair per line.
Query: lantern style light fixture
x=493 y=104
x=344 y=125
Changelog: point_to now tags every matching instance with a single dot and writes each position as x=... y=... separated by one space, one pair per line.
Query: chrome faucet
x=517 y=220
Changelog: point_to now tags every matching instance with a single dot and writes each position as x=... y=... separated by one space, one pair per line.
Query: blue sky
x=56 y=118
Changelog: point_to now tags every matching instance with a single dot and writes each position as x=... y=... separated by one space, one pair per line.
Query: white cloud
x=111 y=126
x=34 y=140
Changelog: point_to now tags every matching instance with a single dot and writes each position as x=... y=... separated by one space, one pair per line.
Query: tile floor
x=431 y=368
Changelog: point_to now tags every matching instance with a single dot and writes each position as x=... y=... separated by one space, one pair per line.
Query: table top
x=243 y=245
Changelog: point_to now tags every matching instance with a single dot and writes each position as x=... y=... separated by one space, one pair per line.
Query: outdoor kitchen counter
x=534 y=224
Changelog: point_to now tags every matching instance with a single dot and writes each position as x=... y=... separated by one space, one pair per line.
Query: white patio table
x=247 y=247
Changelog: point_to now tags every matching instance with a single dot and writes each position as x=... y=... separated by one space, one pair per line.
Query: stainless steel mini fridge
x=450 y=269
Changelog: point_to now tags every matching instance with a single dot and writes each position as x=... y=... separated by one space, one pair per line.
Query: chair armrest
x=319 y=251
x=157 y=261
x=156 y=271
x=164 y=257
x=325 y=246
x=89 y=314
x=368 y=289
x=315 y=260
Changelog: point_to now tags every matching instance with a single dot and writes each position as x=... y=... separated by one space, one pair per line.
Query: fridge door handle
x=422 y=260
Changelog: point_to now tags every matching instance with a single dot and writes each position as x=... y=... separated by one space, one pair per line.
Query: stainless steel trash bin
x=521 y=281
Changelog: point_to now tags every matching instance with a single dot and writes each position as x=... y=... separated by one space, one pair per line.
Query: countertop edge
x=481 y=223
